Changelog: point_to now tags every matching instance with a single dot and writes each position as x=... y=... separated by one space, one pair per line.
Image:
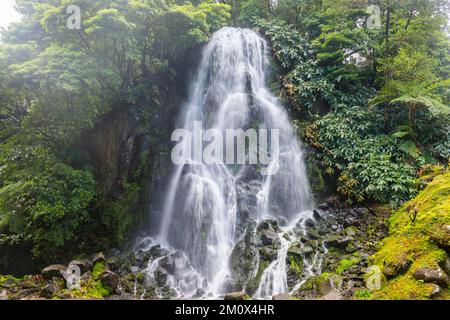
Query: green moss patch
x=418 y=237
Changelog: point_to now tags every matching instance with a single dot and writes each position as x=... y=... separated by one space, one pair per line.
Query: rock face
x=110 y=279
x=436 y=276
x=84 y=265
x=54 y=271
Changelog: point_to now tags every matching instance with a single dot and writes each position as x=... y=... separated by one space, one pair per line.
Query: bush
x=368 y=165
x=42 y=201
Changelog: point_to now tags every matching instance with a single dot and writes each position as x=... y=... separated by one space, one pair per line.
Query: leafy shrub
x=42 y=201
x=368 y=164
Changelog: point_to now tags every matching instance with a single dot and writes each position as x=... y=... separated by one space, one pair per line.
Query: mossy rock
x=419 y=236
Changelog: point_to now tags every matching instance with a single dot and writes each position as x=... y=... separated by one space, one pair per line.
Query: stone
x=268 y=237
x=51 y=289
x=173 y=262
x=309 y=223
x=307 y=250
x=436 y=291
x=312 y=234
x=282 y=296
x=436 y=276
x=236 y=296
x=445 y=265
x=84 y=265
x=54 y=271
x=333 y=295
x=110 y=279
x=86 y=276
x=98 y=257
x=323 y=206
x=199 y=293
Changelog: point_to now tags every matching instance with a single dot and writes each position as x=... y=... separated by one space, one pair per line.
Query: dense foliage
x=373 y=102
x=57 y=84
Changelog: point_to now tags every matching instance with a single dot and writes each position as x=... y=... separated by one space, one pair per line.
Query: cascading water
x=208 y=206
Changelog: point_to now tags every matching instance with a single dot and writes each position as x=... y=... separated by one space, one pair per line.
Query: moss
x=346 y=264
x=253 y=284
x=98 y=269
x=404 y=287
x=295 y=265
x=363 y=294
x=90 y=289
x=8 y=281
x=418 y=238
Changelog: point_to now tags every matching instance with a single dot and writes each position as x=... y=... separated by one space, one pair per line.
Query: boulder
x=324 y=206
x=236 y=296
x=243 y=260
x=338 y=242
x=312 y=234
x=268 y=237
x=436 y=276
x=110 y=279
x=307 y=250
x=51 y=289
x=84 y=265
x=309 y=223
x=316 y=215
x=282 y=296
x=54 y=271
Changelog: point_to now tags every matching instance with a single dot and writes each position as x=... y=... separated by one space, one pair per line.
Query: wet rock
x=110 y=279
x=51 y=289
x=157 y=251
x=339 y=242
x=199 y=293
x=269 y=253
x=436 y=276
x=237 y=296
x=268 y=237
x=309 y=223
x=295 y=250
x=282 y=296
x=54 y=271
x=312 y=234
x=316 y=215
x=324 y=206
x=84 y=265
x=243 y=261
x=268 y=224
x=173 y=262
x=307 y=251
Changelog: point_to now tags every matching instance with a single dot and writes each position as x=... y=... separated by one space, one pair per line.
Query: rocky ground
x=335 y=242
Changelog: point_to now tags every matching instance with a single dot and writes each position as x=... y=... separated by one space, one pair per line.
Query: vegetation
x=421 y=243
x=82 y=114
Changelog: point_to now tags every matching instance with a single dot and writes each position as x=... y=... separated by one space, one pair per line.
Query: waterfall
x=207 y=205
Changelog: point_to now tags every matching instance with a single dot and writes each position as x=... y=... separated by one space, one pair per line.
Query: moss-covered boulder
x=415 y=252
